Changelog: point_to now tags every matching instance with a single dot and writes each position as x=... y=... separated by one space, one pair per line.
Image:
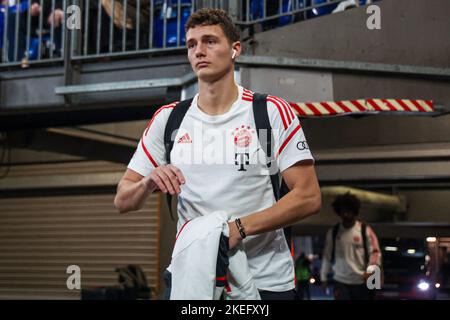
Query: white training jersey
x=224 y=167
x=349 y=265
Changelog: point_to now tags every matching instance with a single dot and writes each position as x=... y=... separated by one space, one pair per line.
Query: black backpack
x=262 y=122
x=363 y=237
x=134 y=282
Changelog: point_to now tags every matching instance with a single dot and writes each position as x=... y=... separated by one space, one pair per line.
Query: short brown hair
x=210 y=17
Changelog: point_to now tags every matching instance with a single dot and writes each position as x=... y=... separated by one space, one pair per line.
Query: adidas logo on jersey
x=185 y=139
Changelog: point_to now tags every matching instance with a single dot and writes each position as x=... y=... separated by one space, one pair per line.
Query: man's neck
x=216 y=98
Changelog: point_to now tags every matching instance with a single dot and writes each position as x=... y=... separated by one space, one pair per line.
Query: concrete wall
x=375 y=131
x=35 y=87
x=428 y=205
x=414 y=32
x=292 y=85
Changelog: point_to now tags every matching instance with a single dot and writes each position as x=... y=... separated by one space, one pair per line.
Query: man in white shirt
x=351 y=250
x=216 y=159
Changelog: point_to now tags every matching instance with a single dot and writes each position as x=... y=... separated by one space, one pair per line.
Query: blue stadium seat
x=33 y=41
x=286 y=7
x=316 y=12
x=325 y=9
x=272 y=8
x=34 y=46
x=171 y=22
x=11 y=10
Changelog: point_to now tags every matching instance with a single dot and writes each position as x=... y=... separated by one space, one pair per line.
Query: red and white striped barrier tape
x=330 y=108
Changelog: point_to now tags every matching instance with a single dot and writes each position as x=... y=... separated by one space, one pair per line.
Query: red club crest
x=243 y=136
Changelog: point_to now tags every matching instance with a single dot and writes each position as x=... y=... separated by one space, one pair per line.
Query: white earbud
x=234 y=54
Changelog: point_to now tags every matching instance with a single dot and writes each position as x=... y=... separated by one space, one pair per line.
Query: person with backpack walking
x=351 y=250
x=212 y=152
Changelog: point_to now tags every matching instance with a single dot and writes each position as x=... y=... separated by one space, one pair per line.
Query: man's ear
x=236 y=49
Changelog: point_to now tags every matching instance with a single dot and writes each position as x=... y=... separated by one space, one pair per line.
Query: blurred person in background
x=124 y=20
x=52 y=17
x=351 y=250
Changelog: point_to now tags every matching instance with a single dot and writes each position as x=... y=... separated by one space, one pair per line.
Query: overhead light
x=393 y=249
x=431 y=239
x=424 y=286
x=437 y=285
x=312 y=280
x=411 y=251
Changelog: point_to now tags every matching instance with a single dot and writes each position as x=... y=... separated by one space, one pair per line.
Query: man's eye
x=211 y=41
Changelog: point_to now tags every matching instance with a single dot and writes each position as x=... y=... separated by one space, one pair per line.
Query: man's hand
x=166 y=178
x=234 y=236
x=57 y=16
x=35 y=9
x=366 y=275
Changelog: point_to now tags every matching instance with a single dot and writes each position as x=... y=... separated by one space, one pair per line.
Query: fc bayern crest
x=243 y=136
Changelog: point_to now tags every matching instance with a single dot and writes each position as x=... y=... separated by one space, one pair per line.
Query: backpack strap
x=267 y=143
x=333 y=239
x=364 y=239
x=172 y=125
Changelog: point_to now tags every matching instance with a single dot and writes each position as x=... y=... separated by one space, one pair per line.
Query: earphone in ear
x=234 y=54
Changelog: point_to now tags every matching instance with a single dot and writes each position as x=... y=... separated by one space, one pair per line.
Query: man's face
x=347 y=217
x=209 y=52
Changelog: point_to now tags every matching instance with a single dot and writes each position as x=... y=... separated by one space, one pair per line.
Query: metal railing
x=31 y=32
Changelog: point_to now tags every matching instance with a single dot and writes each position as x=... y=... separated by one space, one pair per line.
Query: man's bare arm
x=131 y=192
x=134 y=189
x=303 y=200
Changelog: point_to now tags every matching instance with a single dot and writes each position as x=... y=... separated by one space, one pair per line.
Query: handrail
x=125 y=85
x=265 y=61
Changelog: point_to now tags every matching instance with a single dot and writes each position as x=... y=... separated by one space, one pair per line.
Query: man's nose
x=199 y=50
